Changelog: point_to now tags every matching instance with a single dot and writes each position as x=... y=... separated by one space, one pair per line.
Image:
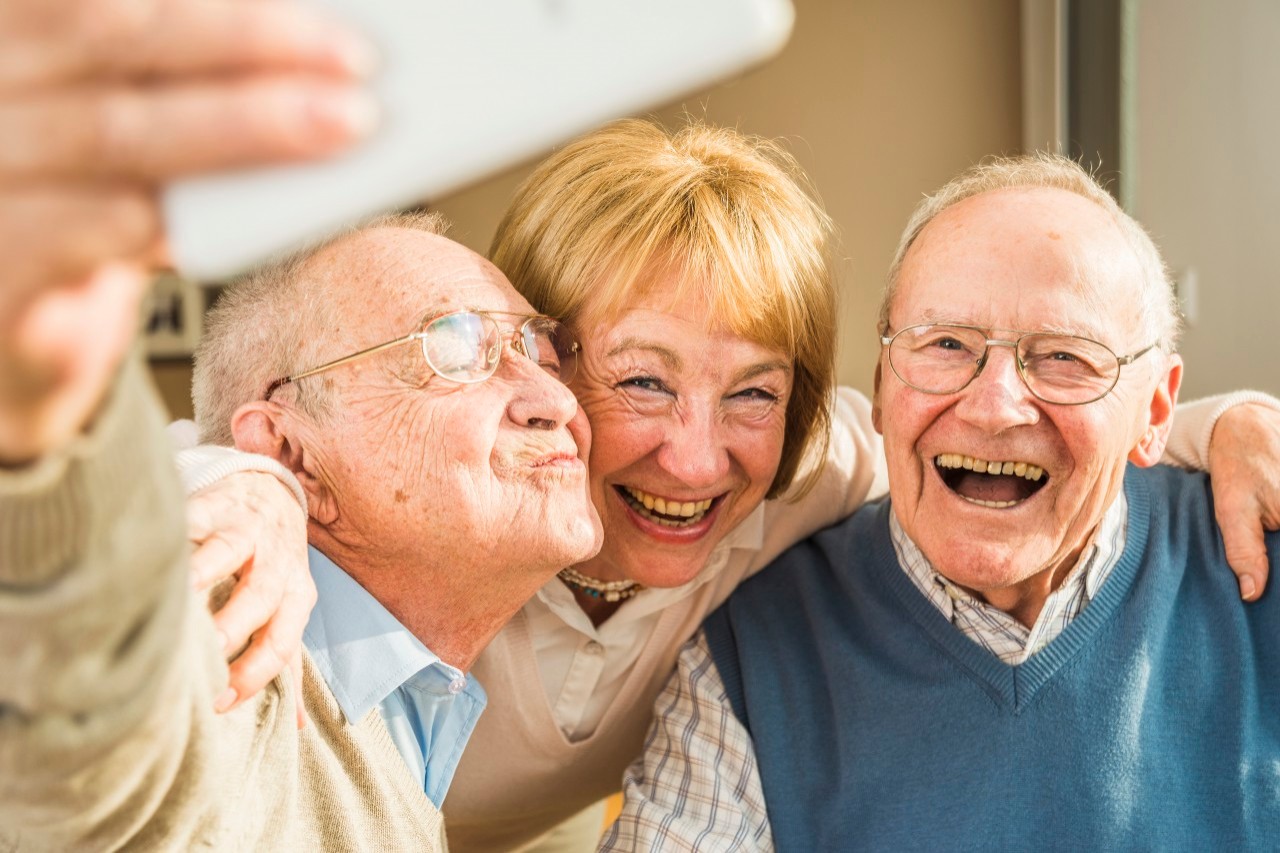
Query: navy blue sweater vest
x=1151 y=723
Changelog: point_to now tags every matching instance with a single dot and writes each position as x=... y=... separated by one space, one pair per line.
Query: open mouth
x=989 y=483
x=668 y=513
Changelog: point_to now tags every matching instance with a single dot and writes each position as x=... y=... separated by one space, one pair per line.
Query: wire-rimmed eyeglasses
x=1066 y=370
x=466 y=346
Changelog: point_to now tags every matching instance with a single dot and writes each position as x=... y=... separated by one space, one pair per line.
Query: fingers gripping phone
x=468 y=87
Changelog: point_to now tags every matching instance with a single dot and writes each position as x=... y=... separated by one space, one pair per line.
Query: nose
x=695 y=450
x=997 y=399
x=540 y=401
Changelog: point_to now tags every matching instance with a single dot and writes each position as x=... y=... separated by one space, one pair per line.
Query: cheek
x=904 y=419
x=758 y=450
x=621 y=439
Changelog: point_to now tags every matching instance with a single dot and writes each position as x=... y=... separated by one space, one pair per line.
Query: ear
x=263 y=427
x=1150 y=446
x=876 y=414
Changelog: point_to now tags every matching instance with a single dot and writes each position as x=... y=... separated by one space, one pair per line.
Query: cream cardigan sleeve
x=97 y=698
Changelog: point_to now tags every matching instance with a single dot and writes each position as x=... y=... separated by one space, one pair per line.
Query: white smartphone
x=467 y=87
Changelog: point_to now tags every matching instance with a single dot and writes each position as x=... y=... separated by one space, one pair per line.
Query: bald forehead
x=402 y=274
x=1029 y=219
x=1026 y=234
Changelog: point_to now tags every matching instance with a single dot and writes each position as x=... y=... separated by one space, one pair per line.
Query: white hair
x=1158 y=309
x=276 y=321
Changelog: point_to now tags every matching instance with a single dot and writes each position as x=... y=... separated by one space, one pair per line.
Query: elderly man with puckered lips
x=1034 y=642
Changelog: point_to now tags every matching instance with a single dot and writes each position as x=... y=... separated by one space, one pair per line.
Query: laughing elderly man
x=1034 y=643
x=442 y=456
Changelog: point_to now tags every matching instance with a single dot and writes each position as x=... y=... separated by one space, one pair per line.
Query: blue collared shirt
x=370 y=660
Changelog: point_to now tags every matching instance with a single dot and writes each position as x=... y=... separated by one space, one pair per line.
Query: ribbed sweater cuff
x=208 y=464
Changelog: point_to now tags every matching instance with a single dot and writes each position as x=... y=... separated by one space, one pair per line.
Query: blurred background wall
x=884 y=100
x=1204 y=124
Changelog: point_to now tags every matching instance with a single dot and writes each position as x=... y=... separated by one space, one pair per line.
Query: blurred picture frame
x=172 y=317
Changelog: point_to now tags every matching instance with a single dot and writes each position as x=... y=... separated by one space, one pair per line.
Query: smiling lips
x=992 y=484
x=668 y=513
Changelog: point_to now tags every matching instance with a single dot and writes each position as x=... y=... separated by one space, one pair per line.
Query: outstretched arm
x=93 y=594
x=103 y=687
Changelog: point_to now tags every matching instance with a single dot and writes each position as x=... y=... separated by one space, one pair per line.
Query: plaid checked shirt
x=697 y=785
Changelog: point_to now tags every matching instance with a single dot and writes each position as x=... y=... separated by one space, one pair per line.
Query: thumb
x=1242 y=536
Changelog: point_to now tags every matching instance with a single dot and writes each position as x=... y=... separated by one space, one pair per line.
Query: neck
x=1025 y=599
x=453 y=608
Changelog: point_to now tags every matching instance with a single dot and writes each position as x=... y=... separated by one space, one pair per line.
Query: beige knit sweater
x=109 y=668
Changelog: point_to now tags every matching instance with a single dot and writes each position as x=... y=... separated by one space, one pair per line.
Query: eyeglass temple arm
x=346 y=359
x=1130 y=359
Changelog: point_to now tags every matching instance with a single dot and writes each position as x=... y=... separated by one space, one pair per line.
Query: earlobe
x=1150 y=446
x=875 y=401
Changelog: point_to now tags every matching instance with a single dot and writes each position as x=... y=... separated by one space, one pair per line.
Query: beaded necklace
x=608 y=590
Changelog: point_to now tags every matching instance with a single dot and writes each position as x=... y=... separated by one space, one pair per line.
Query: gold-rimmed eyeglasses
x=1066 y=370
x=466 y=346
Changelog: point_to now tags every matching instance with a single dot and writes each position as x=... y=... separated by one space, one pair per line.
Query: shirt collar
x=360 y=649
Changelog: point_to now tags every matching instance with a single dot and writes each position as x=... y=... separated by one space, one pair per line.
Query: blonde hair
x=585 y=232
x=274 y=322
x=1159 y=307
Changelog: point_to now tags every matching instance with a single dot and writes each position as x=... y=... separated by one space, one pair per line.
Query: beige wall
x=880 y=100
x=1207 y=179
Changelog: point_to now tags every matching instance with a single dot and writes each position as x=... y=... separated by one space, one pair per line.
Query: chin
x=980 y=566
x=666 y=571
x=583 y=535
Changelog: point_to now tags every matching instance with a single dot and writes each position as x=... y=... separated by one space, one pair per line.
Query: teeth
x=673 y=513
x=970 y=463
x=992 y=504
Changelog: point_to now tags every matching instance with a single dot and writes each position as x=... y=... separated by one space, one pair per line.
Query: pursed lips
x=556 y=458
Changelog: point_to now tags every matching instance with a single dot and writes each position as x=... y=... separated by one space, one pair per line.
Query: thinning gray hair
x=1159 y=307
x=274 y=322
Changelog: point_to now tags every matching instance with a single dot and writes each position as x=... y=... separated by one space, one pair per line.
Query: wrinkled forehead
x=1026 y=259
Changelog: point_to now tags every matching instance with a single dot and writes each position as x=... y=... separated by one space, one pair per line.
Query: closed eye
x=756 y=394
x=645 y=383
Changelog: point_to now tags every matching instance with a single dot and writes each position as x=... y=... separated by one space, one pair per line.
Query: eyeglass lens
x=1057 y=368
x=466 y=346
x=550 y=345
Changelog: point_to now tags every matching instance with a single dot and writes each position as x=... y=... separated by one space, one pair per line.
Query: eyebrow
x=934 y=318
x=764 y=367
x=668 y=356
x=674 y=362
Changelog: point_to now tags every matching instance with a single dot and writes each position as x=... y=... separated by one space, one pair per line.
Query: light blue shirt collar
x=370 y=660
